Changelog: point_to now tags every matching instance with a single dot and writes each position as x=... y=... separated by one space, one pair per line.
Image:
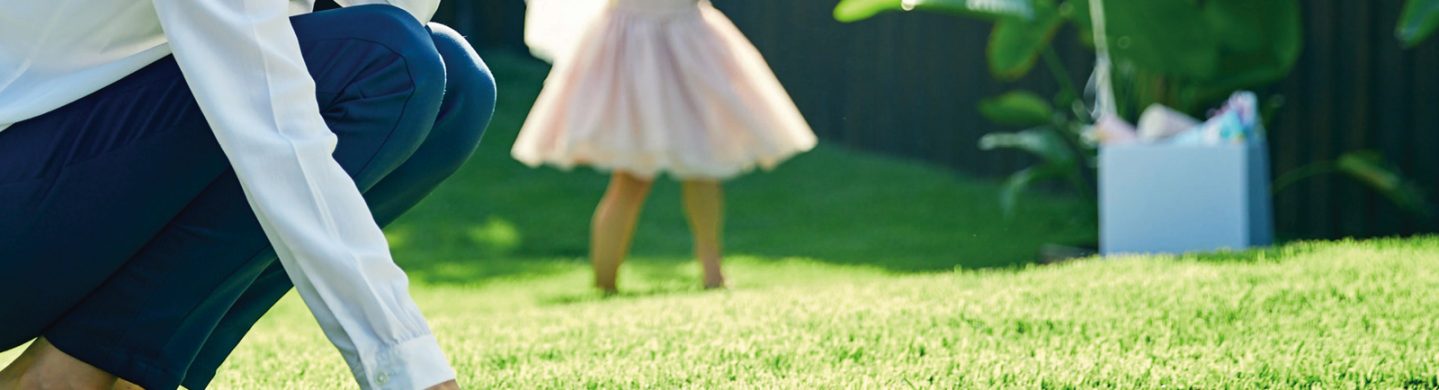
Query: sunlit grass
x=1346 y=315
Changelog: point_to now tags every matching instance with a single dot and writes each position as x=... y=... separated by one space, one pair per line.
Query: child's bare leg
x=42 y=366
x=613 y=226
x=704 y=204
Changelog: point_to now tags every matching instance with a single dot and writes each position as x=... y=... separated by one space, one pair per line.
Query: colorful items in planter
x=1236 y=122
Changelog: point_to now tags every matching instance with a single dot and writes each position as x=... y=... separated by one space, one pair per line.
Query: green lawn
x=1332 y=315
x=855 y=271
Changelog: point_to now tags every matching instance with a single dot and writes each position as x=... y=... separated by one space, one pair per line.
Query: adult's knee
x=469 y=85
x=461 y=60
x=469 y=98
x=380 y=79
x=399 y=32
x=381 y=45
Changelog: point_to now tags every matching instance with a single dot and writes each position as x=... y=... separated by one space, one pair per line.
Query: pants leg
x=79 y=191
x=158 y=296
x=464 y=113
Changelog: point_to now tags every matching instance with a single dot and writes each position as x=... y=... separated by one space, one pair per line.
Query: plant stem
x=1068 y=95
x=1068 y=92
x=1302 y=173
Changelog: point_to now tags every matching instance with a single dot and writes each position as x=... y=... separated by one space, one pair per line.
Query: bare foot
x=716 y=283
x=713 y=275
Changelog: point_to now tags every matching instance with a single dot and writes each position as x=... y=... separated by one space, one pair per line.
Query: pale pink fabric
x=663 y=86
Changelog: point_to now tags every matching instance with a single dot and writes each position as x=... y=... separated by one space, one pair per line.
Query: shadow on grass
x=1261 y=255
x=1298 y=249
x=591 y=297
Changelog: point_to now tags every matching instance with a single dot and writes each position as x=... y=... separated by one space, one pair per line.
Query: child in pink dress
x=662 y=86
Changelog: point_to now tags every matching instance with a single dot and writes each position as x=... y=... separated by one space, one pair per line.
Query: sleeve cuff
x=414 y=364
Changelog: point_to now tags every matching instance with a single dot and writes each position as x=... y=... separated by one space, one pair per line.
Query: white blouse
x=243 y=62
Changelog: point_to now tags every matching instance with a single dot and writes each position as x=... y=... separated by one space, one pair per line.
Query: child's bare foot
x=713 y=273
x=715 y=283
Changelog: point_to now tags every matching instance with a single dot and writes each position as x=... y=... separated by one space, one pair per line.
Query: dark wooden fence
x=1356 y=88
x=493 y=24
x=907 y=84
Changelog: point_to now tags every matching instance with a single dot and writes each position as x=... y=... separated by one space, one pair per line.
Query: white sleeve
x=244 y=65
x=424 y=10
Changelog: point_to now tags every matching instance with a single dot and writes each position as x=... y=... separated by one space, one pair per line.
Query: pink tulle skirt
x=663 y=86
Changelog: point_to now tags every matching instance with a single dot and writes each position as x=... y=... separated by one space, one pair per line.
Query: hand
x=450 y=385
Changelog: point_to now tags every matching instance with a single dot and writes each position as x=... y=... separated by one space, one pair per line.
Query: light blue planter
x=1184 y=198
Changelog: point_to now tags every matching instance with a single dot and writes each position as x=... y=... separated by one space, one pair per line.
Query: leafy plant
x=1418 y=22
x=1057 y=161
x=1184 y=54
x=1051 y=137
x=1370 y=169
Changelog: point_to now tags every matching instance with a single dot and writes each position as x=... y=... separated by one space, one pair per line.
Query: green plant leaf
x=1016 y=43
x=1168 y=37
x=1019 y=182
x=1018 y=108
x=1078 y=12
x=1245 y=61
x=1042 y=142
x=856 y=10
x=1418 y=22
x=1370 y=168
x=1189 y=54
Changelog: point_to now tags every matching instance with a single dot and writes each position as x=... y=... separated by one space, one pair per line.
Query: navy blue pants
x=125 y=239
